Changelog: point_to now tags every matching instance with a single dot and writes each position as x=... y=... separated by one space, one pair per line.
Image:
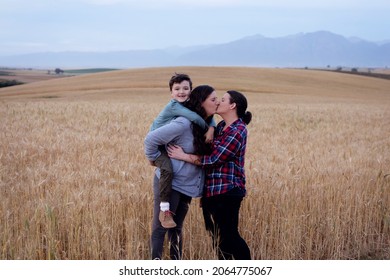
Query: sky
x=31 y=26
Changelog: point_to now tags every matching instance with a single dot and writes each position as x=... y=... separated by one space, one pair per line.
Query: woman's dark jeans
x=221 y=215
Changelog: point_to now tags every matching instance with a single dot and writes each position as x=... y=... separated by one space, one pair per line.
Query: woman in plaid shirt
x=225 y=176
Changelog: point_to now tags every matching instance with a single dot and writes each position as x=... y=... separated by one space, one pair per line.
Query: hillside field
x=74 y=182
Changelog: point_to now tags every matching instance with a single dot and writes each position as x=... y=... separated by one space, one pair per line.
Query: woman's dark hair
x=178 y=78
x=241 y=105
x=194 y=103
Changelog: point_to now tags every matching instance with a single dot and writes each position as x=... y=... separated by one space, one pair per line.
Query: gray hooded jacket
x=187 y=178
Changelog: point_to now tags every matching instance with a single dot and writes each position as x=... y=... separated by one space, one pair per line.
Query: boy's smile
x=180 y=92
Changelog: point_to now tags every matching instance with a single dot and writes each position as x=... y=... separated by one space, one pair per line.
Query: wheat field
x=74 y=182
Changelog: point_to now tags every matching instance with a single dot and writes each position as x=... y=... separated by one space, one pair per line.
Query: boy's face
x=180 y=92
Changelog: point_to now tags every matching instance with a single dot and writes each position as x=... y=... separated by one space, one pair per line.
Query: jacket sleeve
x=162 y=136
x=179 y=110
x=213 y=123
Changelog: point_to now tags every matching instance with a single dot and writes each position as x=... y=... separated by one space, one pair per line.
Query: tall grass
x=74 y=183
x=320 y=188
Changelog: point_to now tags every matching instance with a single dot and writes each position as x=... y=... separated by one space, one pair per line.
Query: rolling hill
x=125 y=84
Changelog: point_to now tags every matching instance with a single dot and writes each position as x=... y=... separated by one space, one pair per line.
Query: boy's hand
x=209 y=135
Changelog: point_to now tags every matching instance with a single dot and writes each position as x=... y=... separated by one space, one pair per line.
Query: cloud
x=188 y=4
x=242 y=3
x=168 y=3
x=105 y=2
x=140 y=24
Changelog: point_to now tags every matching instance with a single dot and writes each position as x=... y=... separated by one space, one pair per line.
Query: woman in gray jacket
x=188 y=179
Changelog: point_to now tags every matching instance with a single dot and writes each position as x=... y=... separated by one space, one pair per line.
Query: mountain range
x=316 y=49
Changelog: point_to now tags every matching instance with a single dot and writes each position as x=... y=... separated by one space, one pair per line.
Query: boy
x=180 y=86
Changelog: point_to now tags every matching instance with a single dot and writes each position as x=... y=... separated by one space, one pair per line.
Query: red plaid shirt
x=225 y=165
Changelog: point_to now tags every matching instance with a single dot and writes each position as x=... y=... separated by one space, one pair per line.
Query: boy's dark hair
x=178 y=78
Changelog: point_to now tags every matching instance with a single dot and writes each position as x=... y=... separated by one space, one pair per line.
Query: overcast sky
x=28 y=26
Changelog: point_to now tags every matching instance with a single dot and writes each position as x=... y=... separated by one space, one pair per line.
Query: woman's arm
x=177 y=152
x=221 y=153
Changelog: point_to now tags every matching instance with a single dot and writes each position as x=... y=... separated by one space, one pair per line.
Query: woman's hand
x=176 y=152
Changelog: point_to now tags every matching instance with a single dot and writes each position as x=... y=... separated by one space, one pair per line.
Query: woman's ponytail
x=241 y=105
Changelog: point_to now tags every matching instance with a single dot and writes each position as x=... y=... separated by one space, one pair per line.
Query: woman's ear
x=233 y=105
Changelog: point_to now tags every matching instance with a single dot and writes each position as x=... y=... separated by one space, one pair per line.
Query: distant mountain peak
x=355 y=39
x=253 y=37
x=311 y=49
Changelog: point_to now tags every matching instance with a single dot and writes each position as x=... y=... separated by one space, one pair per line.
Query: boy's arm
x=213 y=123
x=209 y=135
x=164 y=117
x=179 y=110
